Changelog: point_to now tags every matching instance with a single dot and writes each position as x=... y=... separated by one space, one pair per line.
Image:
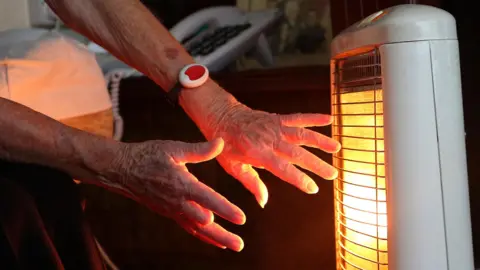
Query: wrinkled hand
x=273 y=142
x=154 y=174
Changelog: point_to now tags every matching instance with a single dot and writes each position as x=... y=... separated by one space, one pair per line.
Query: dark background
x=172 y=11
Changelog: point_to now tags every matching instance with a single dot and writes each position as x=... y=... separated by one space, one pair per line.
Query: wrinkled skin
x=154 y=174
x=272 y=142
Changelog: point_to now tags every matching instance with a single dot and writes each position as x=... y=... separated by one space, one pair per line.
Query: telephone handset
x=217 y=36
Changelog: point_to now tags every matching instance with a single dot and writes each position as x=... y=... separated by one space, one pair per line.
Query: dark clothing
x=42 y=223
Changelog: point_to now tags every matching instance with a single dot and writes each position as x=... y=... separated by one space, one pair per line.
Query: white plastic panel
x=402 y=23
x=449 y=112
x=414 y=191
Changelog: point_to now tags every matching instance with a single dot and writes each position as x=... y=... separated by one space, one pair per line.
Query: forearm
x=130 y=32
x=30 y=137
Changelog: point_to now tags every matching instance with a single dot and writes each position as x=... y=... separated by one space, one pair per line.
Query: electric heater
x=401 y=197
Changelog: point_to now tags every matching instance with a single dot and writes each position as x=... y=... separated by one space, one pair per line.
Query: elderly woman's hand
x=154 y=174
x=273 y=142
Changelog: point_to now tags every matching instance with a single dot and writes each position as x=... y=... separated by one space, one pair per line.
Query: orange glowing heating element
x=360 y=190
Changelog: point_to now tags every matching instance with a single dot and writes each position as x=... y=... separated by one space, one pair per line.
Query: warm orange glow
x=360 y=191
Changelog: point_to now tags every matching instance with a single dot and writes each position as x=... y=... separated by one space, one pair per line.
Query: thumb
x=198 y=152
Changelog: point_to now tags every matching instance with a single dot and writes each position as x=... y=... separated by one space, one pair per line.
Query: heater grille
x=360 y=189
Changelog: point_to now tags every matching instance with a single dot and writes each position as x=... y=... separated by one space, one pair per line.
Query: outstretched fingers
x=306 y=120
x=297 y=155
x=196 y=212
x=249 y=177
x=218 y=234
x=205 y=196
x=310 y=138
x=286 y=171
x=212 y=234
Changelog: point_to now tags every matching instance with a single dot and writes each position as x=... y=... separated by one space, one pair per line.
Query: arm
x=129 y=31
x=152 y=173
x=30 y=137
x=252 y=138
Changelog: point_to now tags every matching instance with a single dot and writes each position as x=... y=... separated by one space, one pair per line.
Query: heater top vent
x=402 y=23
x=358 y=73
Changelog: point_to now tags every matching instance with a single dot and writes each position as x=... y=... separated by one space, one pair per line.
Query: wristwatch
x=190 y=76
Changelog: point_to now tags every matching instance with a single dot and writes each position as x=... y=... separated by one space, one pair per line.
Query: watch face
x=193 y=75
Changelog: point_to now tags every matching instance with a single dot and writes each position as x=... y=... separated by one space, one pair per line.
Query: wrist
x=206 y=105
x=96 y=157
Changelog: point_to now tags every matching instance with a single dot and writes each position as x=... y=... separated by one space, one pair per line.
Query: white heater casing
x=429 y=225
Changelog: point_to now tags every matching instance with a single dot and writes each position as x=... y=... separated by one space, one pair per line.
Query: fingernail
x=312 y=187
x=339 y=147
x=262 y=204
x=333 y=176
x=331 y=118
x=262 y=201
x=242 y=218
x=239 y=246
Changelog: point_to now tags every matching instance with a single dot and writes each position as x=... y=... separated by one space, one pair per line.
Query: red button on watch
x=193 y=75
x=190 y=76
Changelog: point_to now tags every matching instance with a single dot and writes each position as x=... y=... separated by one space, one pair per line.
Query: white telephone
x=217 y=36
